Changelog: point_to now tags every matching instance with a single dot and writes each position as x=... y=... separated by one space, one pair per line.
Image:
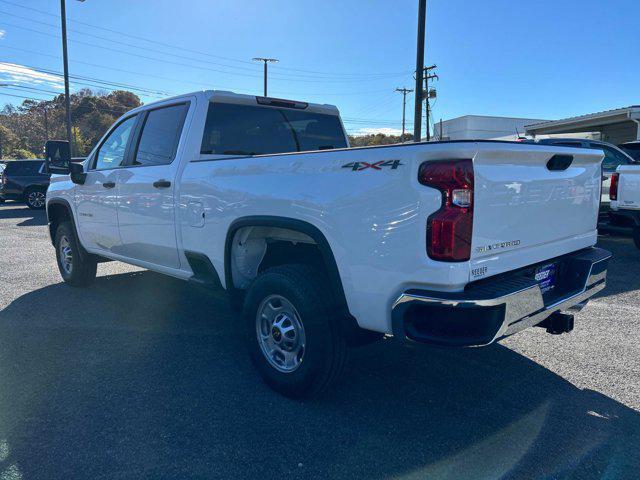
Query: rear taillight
x=613 y=188
x=449 y=229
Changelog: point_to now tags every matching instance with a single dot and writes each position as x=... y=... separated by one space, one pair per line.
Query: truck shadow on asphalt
x=143 y=376
x=31 y=218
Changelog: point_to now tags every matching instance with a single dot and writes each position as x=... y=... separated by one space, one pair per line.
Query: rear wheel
x=35 y=198
x=294 y=341
x=77 y=267
x=636 y=236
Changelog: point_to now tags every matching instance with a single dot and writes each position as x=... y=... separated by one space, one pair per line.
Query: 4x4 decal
x=359 y=166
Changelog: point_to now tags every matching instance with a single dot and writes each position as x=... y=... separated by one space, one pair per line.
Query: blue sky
x=534 y=59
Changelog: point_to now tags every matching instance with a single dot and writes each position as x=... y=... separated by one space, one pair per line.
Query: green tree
x=377 y=139
x=26 y=126
x=8 y=141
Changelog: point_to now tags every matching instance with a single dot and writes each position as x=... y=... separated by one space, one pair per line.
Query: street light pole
x=65 y=60
x=265 y=60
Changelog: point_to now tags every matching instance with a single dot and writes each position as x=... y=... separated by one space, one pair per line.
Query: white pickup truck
x=323 y=246
x=625 y=199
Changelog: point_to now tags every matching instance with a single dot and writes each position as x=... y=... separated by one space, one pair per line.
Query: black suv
x=24 y=180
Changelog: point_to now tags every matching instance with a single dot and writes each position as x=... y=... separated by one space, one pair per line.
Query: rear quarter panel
x=373 y=219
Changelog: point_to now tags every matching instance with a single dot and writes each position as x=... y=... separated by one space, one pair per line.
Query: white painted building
x=480 y=127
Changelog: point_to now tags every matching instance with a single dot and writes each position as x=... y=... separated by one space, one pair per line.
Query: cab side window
x=112 y=151
x=160 y=135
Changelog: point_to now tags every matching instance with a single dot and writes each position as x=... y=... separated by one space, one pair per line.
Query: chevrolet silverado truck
x=321 y=246
x=625 y=199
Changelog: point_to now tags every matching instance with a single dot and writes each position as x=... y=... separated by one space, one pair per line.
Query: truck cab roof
x=226 y=96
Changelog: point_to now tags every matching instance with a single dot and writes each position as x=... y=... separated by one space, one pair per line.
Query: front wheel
x=636 y=236
x=294 y=341
x=35 y=198
x=76 y=266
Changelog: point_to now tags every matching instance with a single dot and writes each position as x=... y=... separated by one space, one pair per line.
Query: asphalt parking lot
x=141 y=376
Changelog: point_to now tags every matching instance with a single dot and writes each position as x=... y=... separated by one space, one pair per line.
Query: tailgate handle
x=559 y=162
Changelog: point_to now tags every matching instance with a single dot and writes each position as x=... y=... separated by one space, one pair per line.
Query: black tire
x=324 y=352
x=636 y=236
x=236 y=301
x=83 y=265
x=35 y=197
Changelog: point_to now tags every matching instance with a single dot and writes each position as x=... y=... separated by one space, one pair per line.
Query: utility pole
x=65 y=60
x=265 y=60
x=404 y=92
x=417 y=117
x=46 y=125
x=429 y=94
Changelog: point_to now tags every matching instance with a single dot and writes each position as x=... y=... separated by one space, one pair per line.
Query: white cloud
x=372 y=131
x=20 y=74
x=2 y=33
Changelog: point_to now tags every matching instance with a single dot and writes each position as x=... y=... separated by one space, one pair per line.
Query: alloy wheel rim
x=36 y=199
x=280 y=333
x=66 y=255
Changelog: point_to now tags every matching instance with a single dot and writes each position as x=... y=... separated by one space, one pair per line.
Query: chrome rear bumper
x=499 y=306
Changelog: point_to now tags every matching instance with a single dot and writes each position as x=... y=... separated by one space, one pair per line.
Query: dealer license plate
x=546 y=277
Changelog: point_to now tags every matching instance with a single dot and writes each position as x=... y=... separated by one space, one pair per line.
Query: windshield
x=252 y=130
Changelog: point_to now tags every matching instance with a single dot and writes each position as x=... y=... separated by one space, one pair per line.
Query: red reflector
x=449 y=229
x=613 y=188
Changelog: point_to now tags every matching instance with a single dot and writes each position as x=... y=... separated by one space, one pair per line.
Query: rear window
x=252 y=130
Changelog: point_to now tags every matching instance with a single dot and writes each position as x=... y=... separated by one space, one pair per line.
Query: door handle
x=109 y=184
x=162 y=184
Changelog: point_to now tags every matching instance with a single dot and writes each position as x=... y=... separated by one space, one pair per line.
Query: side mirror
x=57 y=157
x=77 y=173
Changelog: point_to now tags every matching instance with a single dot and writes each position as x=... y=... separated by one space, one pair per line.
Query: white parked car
x=625 y=199
x=322 y=246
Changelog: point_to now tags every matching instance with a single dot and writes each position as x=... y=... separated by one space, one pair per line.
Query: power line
x=100 y=83
x=21 y=96
x=92 y=107
x=24 y=87
x=201 y=84
x=138 y=47
x=345 y=119
x=378 y=103
x=312 y=73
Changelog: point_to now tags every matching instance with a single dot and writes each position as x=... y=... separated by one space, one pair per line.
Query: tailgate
x=629 y=186
x=528 y=209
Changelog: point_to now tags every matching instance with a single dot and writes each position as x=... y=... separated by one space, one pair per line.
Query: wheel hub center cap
x=276 y=334
x=280 y=333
